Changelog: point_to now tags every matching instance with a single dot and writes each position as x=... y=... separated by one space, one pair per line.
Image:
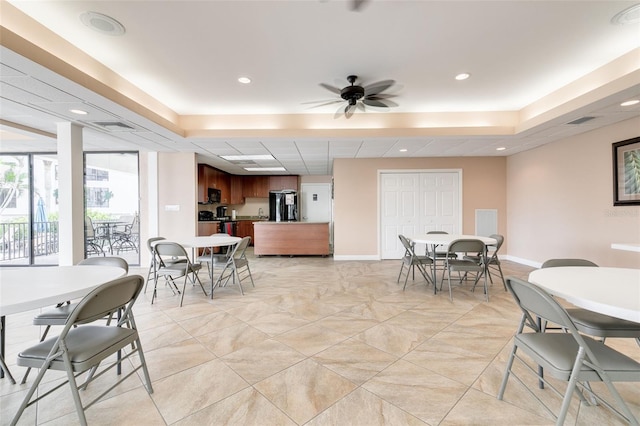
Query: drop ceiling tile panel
x=28 y=146
x=63 y=109
x=21 y=96
x=9 y=71
x=146 y=143
x=40 y=89
x=280 y=146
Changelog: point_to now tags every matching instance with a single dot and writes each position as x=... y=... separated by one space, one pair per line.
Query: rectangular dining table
x=26 y=288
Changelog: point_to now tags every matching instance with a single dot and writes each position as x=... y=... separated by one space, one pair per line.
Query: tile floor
x=316 y=342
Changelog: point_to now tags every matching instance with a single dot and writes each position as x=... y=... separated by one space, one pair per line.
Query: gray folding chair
x=467 y=265
x=60 y=314
x=174 y=263
x=439 y=256
x=493 y=262
x=569 y=356
x=81 y=346
x=413 y=261
x=594 y=323
x=211 y=259
x=237 y=265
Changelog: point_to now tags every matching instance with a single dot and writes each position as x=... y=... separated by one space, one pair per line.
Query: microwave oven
x=214 y=195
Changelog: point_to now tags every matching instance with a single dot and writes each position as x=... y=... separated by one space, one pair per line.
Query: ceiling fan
x=358 y=96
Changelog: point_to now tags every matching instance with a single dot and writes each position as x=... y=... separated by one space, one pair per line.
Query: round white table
x=610 y=291
x=24 y=289
x=209 y=241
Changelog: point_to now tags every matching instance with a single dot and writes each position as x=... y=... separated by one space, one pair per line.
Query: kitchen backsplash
x=249 y=208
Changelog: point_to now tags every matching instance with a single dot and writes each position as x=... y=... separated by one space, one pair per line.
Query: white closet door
x=439 y=202
x=399 y=211
x=416 y=203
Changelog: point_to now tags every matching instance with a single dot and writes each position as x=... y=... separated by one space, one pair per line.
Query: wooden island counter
x=291 y=238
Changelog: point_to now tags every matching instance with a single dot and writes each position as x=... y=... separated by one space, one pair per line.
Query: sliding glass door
x=28 y=209
x=112 y=224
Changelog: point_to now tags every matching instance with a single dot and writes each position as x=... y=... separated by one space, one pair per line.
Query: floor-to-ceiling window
x=112 y=205
x=28 y=209
x=29 y=233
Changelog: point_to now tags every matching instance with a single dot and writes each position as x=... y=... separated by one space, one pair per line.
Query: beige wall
x=177 y=186
x=356 y=201
x=560 y=201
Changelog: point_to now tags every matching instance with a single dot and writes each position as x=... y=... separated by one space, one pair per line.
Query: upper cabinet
x=279 y=183
x=237 y=196
x=255 y=186
x=209 y=177
x=203 y=184
x=235 y=188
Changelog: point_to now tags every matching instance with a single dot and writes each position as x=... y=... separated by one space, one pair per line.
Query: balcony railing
x=14 y=240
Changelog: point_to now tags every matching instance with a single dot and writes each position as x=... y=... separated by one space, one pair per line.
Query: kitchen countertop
x=290 y=223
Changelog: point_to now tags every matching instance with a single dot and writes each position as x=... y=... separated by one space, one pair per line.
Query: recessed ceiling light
x=78 y=111
x=102 y=23
x=403 y=150
x=630 y=15
x=631 y=102
x=501 y=148
x=244 y=80
x=248 y=157
x=265 y=169
x=463 y=76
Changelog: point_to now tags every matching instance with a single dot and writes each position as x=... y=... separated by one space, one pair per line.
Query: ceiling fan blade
x=377 y=101
x=323 y=103
x=378 y=87
x=356 y=5
x=331 y=88
x=349 y=110
x=374 y=103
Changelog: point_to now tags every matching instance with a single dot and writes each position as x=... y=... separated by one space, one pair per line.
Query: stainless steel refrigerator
x=283 y=206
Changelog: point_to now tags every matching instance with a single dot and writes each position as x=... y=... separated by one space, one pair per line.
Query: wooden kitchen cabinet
x=205 y=181
x=208 y=228
x=223 y=183
x=245 y=229
x=210 y=177
x=279 y=183
x=236 y=184
x=255 y=186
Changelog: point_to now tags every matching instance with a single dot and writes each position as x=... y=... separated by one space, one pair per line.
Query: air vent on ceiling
x=114 y=126
x=581 y=120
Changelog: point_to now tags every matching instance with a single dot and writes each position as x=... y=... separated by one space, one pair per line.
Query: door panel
x=439 y=202
x=416 y=203
x=399 y=211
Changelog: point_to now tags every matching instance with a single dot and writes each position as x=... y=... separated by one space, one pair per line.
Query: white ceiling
x=188 y=55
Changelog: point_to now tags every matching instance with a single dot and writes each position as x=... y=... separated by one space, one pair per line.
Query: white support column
x=151 y=208
x=70 y=193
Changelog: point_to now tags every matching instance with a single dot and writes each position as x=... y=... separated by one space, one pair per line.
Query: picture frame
x=626 y=172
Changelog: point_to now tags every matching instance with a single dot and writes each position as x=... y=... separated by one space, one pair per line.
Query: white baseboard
x=346 y=257
x=521 y=261
x=356 y=257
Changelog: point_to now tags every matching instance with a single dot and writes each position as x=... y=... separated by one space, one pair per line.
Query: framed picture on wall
x=626 y=172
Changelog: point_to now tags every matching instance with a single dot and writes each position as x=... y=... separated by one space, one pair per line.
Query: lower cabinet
x=208 y=228
x=245 y=229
